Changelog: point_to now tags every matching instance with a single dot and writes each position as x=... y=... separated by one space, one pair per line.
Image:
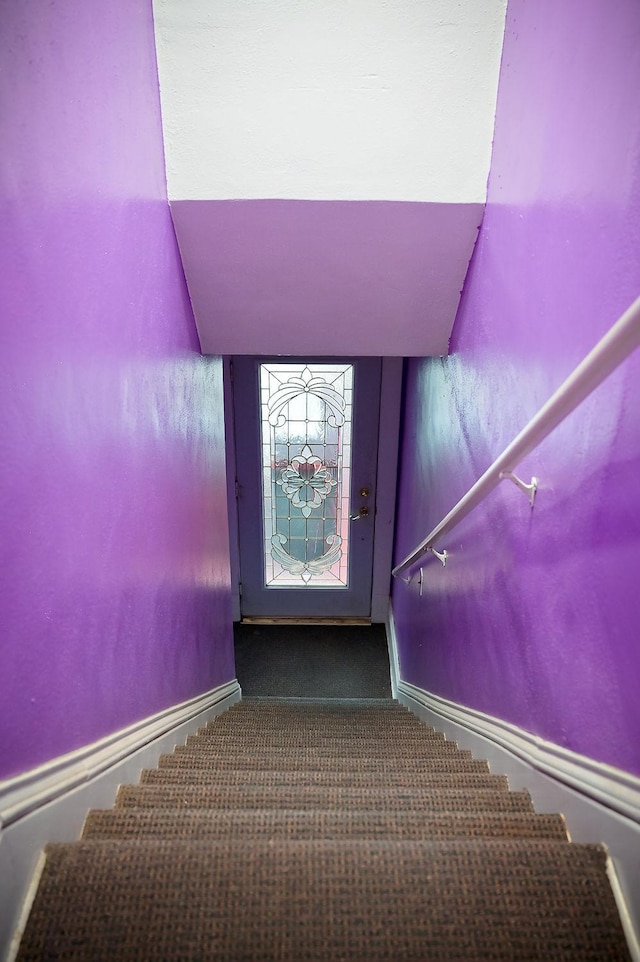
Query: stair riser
x=418 y=800
x=211 y=760
x=299 y=707
x=433 y=781
x=324 y=750
x=124 y=823
x=293 y=743
x=314 y=721
x=355 y=724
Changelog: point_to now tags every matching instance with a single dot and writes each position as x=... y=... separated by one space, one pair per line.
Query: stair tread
x=358 y=728
x=250 y=796
x=321 y=747
x=294 y=762
x=306 y=779
x=323 y=823
x=264 y=704
x=335 y=745
x=262 y=742
x=353 y=720
x=357 y=900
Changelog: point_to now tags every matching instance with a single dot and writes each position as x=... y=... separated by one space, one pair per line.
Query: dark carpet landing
x=312 y=661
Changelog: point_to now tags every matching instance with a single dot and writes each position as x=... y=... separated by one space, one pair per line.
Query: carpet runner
x=303 y=831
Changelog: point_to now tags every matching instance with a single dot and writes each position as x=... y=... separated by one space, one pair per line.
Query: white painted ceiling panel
x=329 y=99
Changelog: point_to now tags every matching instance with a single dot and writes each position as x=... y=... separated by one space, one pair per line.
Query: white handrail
x=617 y=344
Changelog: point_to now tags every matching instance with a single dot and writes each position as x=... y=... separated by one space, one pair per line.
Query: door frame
x=388 y=435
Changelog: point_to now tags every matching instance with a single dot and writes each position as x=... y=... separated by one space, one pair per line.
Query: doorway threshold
x=304 y=621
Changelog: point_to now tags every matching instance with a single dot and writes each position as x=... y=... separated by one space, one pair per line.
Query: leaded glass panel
x=305 y=416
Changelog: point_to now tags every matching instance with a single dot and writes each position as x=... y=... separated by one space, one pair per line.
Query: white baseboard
x=50 y=803
x=394 y=666
x=617 y=790
x=600 y=803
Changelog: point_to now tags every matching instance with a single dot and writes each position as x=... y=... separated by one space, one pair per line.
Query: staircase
x=322 y=830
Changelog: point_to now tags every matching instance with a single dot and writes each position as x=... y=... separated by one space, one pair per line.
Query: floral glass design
x=306 y=481
x=306 y=418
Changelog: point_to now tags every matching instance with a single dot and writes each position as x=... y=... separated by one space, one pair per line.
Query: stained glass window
x=306 y=418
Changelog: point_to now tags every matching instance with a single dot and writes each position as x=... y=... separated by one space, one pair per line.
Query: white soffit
x=329 y=99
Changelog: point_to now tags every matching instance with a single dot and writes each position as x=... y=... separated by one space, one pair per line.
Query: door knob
x=362 y=513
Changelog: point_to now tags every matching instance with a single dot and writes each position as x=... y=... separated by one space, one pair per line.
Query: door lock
x=362 y=513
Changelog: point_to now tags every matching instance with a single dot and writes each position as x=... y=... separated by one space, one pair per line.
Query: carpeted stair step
x=302 y=780
x=335 y=746
x=322 y=746
x=262 y=741
x=332 y=706
x=316 y=796
x=348 y=763
x=365 y=901
x=310 y=714
x=305 y=716
x=328 y=730
x=318 y=824
x=357 y=722
x=341 y=723
x=261 y=746
x=356 y=718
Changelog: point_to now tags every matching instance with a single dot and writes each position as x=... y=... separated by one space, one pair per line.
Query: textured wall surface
x=114 y=586
x=535 y=617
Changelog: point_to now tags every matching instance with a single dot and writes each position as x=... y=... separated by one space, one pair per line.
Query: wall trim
x=30 y=790
x=617 y=789
x=392 y=645
x=232 y=498
x=50 y=802
x=387 y=479
x=600 y=803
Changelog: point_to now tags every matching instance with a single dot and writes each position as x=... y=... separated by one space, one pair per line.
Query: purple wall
x=114 y=588
x=535 y=618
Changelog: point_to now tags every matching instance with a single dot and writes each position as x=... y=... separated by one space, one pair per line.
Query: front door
x=306 y=434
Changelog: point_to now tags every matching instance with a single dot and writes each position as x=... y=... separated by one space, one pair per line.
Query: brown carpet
x=318 y=824
x=301 y=831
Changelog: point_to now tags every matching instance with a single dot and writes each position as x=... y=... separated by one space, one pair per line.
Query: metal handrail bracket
x=617 y=344
x=529 y=489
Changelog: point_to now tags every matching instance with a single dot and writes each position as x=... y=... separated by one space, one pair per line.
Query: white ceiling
x=328 y=100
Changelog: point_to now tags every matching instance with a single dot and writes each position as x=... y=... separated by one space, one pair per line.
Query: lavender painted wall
x=114 y=589
x=535 y=618
x=292 y=276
